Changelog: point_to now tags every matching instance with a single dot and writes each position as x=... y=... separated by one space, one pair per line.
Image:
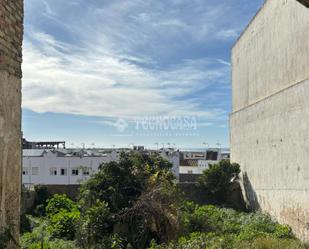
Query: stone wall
x=11 y=35
x=270 y=119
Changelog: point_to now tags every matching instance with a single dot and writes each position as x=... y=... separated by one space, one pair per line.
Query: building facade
x=194 y=163
x=72 y=167
x=11 y=36
x=52 y=167
x=269 y=123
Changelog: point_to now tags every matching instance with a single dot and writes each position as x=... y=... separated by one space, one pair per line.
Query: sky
x=105 y=73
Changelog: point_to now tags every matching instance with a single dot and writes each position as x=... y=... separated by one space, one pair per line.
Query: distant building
x=174 y=157
x=43 y=145
x=61 y=167
x=73 y=166
x=193 y=164
x=169 y=154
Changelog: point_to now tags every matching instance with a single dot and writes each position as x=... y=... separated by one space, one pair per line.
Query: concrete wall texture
x=270 y=118
x=11 y=34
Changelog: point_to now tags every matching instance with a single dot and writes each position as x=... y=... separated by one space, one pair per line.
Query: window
x=53 y=171
x=86 y=172
x=63 y=172
x=35 y=171
x=74 y=172
x=25 y=171
x=212 y=155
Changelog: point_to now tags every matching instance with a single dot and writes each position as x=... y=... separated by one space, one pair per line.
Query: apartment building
x=73 y=166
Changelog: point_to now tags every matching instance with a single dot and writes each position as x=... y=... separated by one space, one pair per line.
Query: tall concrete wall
x=11 y=34
x=270 y=119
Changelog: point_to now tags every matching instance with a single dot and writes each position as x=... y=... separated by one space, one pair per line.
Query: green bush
x=95 y=225
x=120 y=183
x=62 y=216
x=245 y=226
x=212 y=241
x=62 y=224
x=213 y=228
x=40 y=237
x=134 y=203
x=25 y=224
x=40 y=201
x=136 y=196
x=271 y=243
x=215 y=183
x=199 y=241
x=59 y=203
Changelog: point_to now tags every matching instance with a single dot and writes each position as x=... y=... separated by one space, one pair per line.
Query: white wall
x=190 y=170
x=50 y=160
x=202 y=165
x=173 y=157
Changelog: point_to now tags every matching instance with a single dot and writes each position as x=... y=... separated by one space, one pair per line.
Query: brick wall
x=11 y=34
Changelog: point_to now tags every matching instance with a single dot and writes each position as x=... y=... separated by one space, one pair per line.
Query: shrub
x=60 y=203
x=211 y=241
x=135 y=196
x=40 y=201
x=227 y=221
x=216 y=183
x=120 y=183
x=25 y=224
x=62 y=215
x=62 y=224
x=95 y=225
x=40 y=237
x=155 y=215
x=271 y=243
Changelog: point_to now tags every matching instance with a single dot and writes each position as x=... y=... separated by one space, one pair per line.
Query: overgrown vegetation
x=213 y=227
x=216 y=182
x=135 y=203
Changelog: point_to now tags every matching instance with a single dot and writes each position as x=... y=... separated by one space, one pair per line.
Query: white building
x=195 y=166
x=71 y=167
x=174 y=157
x=56 y=167
x=196 y=162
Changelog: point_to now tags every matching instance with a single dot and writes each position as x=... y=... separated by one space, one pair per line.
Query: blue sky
x=103 y=72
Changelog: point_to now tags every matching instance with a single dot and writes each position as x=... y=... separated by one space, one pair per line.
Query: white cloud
x=122 y=58
x=227 y=34
x=224 y=62
x=64 y=79
x=49 y=11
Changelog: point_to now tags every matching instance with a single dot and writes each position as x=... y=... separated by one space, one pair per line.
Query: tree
x=119 y=183
x=216 y=181
x=130 y=196
x=155 y=215
x=62 y=214
x=95 y=225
